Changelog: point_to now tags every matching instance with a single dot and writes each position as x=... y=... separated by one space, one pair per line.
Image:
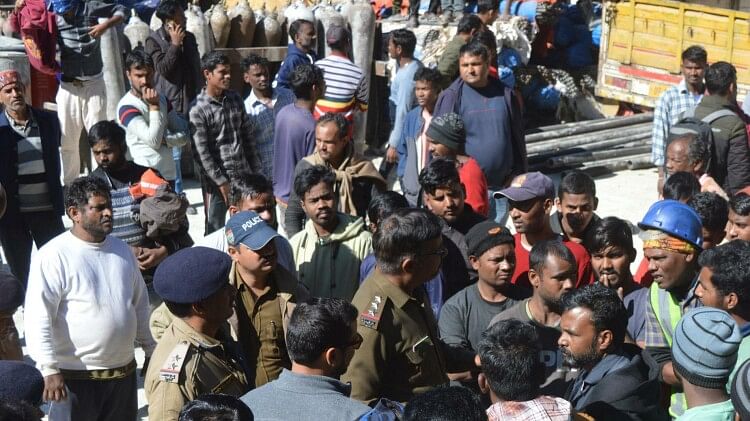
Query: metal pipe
x=589 y=156
x=621 y=163
x=591 y=144
x=569 y=129
x=625 y=142
x=641 y=162
x=571 y=141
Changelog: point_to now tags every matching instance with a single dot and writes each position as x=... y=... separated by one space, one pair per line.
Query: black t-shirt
x=558 y=376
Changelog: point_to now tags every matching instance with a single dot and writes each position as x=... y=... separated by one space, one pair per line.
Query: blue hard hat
x=676 y=219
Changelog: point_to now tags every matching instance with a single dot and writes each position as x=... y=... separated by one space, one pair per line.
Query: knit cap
x=486 y=235
x=448 y=129
x=704 y=348
x=741 y=391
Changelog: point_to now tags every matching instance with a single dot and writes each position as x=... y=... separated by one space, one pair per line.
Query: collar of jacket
x=715 y=101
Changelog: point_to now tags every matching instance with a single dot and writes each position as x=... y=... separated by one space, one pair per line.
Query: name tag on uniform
x=170 y=371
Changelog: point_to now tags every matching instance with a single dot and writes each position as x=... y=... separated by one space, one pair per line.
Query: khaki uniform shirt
x=261 y=329
x=401 y=354
x=185 y=365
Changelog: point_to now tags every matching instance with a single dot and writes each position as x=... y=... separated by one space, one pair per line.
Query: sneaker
x=396 y=18
x=446 y=18
x=413 y=22
x=191 y=211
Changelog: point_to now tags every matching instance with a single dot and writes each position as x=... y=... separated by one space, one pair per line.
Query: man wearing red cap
x=30 y=172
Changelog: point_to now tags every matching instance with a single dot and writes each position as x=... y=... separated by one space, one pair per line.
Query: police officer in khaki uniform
x=266 y=296
x=401 y=354
x=195 y=355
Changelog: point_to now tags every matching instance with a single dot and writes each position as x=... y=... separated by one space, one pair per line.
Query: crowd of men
x=326 y=296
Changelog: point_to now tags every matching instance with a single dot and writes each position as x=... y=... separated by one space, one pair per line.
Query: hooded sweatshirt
x=329 y=266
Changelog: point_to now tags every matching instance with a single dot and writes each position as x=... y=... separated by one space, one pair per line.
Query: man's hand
x=149 y=258
x=176 y=34
x=604 y=280
x=98 y=30
x=709 y=184
x=224 y=189
x=391 y=156
x=151 y=97
x=54 y=388
x=19 y=5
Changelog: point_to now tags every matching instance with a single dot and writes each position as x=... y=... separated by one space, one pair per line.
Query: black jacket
x=629 y=393
x=730 y=160
x=178 y=70
x=49 y=132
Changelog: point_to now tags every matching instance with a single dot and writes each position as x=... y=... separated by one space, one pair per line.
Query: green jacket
x=448 y=63
x=329 y=267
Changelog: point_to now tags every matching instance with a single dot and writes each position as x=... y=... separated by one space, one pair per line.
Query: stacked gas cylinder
x=243 y=24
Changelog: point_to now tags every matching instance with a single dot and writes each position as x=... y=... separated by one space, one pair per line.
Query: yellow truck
x=642 y=41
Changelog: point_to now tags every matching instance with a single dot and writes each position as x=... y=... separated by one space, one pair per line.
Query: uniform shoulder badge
x=370 y=317
x=170 y=371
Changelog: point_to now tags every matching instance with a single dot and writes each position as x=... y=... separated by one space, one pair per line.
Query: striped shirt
x=346 y=87
x=669 y=109
x=125 y=209
x=33 y=191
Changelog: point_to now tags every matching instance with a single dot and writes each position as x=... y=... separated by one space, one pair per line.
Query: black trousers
x=214 y=206
x=98 y=400
x=17 y=238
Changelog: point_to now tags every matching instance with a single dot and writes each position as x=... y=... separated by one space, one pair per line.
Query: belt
x=73 y=81
x=104 y=374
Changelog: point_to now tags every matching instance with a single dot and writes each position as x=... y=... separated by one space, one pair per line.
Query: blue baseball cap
x=248 y=228
x=533 y=185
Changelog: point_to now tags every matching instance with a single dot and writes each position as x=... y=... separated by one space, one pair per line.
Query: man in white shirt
x=152 y=126
x=86 y=304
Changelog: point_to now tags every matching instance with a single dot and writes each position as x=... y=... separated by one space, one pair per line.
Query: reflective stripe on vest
x=668 y=312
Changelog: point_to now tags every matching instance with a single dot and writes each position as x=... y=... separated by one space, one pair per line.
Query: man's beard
x=590 y=357
x=554 y=304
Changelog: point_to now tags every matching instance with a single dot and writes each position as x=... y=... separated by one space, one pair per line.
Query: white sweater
x=148 y=132
x=86 y=303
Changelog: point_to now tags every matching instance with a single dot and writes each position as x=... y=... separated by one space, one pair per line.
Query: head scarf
x=8 y=77
x=654 y=239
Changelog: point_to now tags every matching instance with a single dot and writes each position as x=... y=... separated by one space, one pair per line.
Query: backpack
x=699 y=127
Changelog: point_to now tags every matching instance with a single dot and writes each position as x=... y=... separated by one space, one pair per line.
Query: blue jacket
x=294 y=57
x=450 y=101
x=49 y=131
x=407 y=169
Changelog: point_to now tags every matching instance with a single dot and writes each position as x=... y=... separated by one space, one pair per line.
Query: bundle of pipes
x=592 y=146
